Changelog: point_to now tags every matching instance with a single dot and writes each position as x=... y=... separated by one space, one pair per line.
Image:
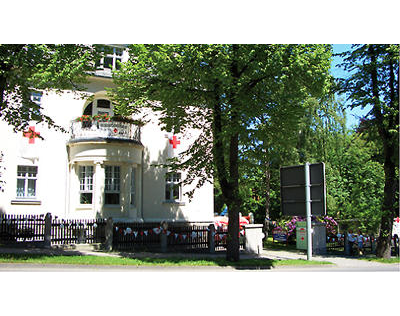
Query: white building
x=99 y=168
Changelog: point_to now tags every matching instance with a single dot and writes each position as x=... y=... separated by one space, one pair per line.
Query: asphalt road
x=83 y=268
x=24 y=267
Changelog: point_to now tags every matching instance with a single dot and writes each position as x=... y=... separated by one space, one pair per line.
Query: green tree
x=375 y=82
x=355 y=183
x=221 y=90
x=270 y=144
x=24 y=68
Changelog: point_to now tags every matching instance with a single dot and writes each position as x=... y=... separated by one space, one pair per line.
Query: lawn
x=173 y=261
x=382 y=260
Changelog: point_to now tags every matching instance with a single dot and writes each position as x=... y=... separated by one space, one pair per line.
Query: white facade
x=104 y=170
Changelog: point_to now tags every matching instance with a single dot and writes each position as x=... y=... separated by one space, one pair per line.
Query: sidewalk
x=85 y=249
x=339 y=261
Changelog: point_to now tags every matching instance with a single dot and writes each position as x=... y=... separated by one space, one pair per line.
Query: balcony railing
x=108 y=130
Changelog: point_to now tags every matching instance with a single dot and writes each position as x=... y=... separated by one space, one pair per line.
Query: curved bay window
x=85 y=184
x=112 y=185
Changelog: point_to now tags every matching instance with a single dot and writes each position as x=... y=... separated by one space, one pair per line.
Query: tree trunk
x=233 y=246
x=267 y=197
x=383 y=249
x=229 y=182
x=390 y=145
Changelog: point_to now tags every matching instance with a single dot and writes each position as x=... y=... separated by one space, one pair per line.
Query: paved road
x=383 y=268
x=79 y=268
x=23 y=267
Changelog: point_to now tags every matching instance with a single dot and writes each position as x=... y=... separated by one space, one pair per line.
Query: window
x=105 y=104
x=86 y=184
x=173 y=187
x=112 y=185
x=26 y=182
x=112 y=58
x=36 y=97
x=99 y=106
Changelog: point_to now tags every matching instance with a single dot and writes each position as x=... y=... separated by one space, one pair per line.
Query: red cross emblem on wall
x=397 y=220
x=174 y=142
x=31 y=134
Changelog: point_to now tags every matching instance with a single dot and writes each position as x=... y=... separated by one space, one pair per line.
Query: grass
x=395 y=260
x=299 y=262
x=270 y=244
x=99 y=260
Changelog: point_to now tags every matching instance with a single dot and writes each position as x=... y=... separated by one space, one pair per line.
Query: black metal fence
x=125 y=235
x=21 y=228
x=178 y=236
x=188 y=238
x=337 y=244
x=221 y=235
x=135 y=236
x=73 y=231
x=32 y=228
x=147 y=236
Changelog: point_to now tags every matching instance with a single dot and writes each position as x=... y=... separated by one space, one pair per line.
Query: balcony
x=100 y=130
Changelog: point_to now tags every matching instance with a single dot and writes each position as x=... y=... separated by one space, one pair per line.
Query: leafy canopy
x=27 y=68
x=250 y=84
x=221 y=90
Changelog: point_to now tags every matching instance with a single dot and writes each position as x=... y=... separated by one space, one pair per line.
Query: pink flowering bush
x=330 y=223
x=288 y=225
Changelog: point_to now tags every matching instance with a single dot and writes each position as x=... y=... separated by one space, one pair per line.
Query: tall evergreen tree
x=375 y=82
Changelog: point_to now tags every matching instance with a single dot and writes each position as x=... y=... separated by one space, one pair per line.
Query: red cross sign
x=31 y=134
x=397 y=220
x=174 y=141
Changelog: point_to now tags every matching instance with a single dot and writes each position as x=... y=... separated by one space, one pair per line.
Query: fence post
x=47 y=230
x=163 y=237
x=211 y=239
x=109 y=234
x=347 y=250
x=81 y=234
x=373 y=244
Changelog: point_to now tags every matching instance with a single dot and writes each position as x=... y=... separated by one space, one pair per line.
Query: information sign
x=293 y=193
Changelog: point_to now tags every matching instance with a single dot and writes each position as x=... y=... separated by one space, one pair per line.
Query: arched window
x=99 y=106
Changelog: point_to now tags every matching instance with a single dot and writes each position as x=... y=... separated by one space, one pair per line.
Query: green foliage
x=26 y=68
x=354 y=180
x=355 y=183
x=375 y=83
x=227 y=92
x=192 y=80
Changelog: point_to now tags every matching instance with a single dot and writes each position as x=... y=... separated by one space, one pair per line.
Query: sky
x=339 y=48
x=352 y=114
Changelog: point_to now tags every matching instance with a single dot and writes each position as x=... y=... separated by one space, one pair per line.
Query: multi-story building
x=102 y=167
